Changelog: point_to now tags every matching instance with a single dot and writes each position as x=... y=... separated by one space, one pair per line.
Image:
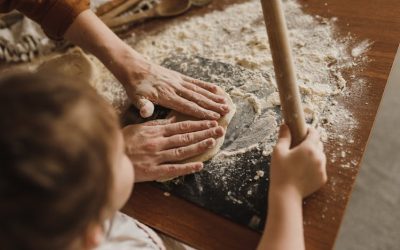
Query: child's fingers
x=324 y=172
x=321 y=146
x=169 y=171
x=284 y=139
x=313 y=135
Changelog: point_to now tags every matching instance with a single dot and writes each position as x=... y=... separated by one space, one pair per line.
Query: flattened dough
x=223 y=122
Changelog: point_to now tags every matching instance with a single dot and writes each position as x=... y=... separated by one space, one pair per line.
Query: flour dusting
x=237 y=36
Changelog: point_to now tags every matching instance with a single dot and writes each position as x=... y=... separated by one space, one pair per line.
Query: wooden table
x=377 y=20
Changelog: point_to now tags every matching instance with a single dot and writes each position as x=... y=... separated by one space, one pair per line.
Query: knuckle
x=276 y=153
x=212 y=132
x=184 y=125
x=152 y=95
x=172 y=170
x=147 y=170
x=207 y=124
x=151 y=146
x=164 y=91
x=310 y=152
x=196 y=89
x=186 y=138
x=203 y=114
x=178 y=152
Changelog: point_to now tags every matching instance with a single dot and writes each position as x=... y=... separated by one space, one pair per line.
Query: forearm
x=145 y=83
x=92 y=35
x=284 y=229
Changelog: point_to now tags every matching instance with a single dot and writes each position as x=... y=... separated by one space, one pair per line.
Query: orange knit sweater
x=55 y=16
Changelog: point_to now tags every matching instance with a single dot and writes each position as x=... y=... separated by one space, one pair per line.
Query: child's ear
x=94 y=236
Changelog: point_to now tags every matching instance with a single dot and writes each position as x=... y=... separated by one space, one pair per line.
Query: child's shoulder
x=124 y=232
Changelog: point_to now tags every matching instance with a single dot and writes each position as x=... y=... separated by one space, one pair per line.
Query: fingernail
x=216 y=116
x=225 y=108
x=212 y=124
x=210 y=143
x=218 y=131
x=199 y=167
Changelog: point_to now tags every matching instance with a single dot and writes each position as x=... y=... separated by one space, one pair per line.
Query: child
x=64 y=173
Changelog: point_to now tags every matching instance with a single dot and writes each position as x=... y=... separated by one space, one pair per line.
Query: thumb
x=284 y=139
x=145 y=106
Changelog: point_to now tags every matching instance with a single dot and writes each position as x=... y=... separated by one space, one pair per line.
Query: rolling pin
x=108 y=6
x=289 y=92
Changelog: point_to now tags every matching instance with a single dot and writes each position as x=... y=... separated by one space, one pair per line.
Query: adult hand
x=148 y=84
x=154 y=146
x=145 y=83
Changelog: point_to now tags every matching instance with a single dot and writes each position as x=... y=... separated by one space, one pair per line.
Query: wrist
x=127 y=65
x=285 y=191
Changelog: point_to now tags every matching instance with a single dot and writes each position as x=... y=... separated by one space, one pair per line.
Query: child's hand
x=302 y=168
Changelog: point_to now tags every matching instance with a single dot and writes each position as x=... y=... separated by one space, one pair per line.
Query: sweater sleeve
x=55 y=16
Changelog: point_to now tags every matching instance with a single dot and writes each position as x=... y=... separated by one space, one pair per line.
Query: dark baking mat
x=235 y=187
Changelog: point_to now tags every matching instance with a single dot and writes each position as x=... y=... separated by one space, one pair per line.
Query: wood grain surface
x=376 y=20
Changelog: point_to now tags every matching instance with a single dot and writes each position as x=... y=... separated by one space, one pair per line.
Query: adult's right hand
x=153 y=147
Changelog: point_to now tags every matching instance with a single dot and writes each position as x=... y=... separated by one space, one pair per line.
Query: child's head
x=63 y=169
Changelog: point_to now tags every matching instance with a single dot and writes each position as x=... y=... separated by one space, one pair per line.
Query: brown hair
x=56 y=140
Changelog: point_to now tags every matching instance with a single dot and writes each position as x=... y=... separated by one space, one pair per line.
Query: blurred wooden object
x=108 y=6
x=285 y=73
x=125 y=6
x=165 y=8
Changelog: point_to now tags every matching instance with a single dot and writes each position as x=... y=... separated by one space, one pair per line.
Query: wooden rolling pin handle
x=108 y=6
x=124 y=6
x=130 y=19
x=284 y=70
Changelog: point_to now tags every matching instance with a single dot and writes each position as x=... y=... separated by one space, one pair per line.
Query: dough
x=223 y=122
x=74 y=64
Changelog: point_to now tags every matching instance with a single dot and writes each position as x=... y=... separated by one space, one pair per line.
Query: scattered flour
x=361 y=48
x=237 y=36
